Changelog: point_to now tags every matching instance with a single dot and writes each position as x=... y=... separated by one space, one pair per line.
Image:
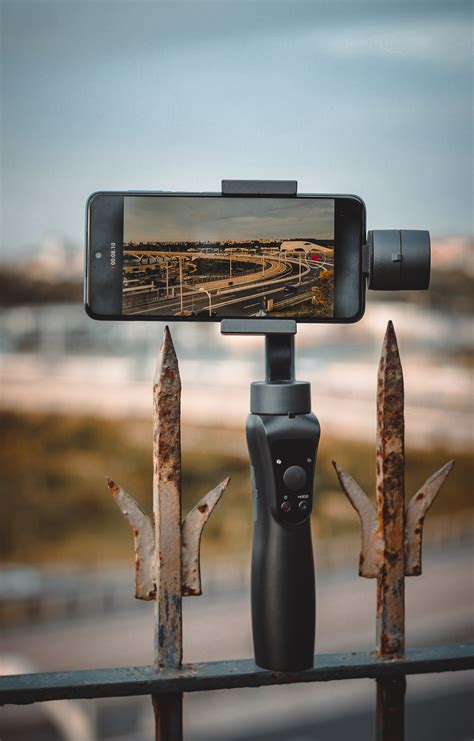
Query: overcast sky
x=206 y=219
x=372 y=98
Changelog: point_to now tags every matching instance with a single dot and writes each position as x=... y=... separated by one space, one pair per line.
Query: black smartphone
x=207 y=256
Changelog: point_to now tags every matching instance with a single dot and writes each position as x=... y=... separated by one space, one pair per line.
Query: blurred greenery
x=55 y=505
x=450 y=290
x=19 y=288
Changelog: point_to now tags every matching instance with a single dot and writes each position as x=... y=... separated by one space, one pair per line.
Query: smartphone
x=208 y=256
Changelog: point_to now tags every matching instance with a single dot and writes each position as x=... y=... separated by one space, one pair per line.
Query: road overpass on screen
x=180 y=290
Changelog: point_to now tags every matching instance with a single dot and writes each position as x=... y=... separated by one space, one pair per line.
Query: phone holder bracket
x=258 y=326
x=262 y=188
x=279 y=393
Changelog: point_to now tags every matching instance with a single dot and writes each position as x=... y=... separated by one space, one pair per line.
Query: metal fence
x=167 y=567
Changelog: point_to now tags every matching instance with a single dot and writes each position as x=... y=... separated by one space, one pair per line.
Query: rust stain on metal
x=144 y=540
x=167 y=506
x=191 y=530
x=415 y=515
x=371 y=551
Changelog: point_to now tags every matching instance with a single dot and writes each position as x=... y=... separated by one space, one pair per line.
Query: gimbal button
x=295 y=478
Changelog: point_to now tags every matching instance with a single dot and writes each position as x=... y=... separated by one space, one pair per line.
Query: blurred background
x=373 y=98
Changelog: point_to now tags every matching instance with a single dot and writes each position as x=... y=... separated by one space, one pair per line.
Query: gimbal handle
x=282 y=438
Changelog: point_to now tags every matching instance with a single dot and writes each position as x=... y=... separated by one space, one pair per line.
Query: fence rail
x=216 y=675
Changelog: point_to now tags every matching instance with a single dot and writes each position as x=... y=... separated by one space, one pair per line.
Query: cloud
x=441 y=41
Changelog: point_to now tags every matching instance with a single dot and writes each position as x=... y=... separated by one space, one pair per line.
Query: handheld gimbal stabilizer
x=283 y=437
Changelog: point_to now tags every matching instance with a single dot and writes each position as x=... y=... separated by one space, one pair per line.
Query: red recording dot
x=286 y=506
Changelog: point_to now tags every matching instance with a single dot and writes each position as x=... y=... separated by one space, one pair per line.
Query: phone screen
x=206 y=257
x=228 y=257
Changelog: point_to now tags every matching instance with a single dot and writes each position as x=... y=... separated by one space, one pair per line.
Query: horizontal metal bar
x=258 y=326
x=28 y=688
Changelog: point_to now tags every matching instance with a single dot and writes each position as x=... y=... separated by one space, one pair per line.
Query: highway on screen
x=239 y=283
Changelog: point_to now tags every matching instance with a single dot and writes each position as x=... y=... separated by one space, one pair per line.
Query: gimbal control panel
x=293 y=470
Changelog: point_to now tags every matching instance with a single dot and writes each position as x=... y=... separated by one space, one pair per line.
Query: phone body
x=207 y=256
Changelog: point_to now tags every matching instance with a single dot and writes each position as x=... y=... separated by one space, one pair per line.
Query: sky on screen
x=147 y=219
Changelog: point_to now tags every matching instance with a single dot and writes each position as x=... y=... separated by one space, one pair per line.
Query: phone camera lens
x=98 y=255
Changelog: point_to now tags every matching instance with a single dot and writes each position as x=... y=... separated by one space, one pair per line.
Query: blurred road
x=439 y=609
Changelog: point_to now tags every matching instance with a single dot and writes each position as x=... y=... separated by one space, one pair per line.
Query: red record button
x=285 y=506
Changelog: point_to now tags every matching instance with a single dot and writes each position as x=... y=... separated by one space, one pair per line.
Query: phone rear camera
x=98 y=255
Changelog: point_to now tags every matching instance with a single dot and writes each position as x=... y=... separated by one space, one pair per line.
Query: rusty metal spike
x=415 y=515
x=390 y=417
x=370 y=559
x=391 y=499
x=167 y=557
x=167 y=505
x=167 y=364
x=398 y=545
x=143 y=538
x=191 y=531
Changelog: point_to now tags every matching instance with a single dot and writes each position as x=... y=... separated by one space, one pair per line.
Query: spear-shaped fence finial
x=167 y=551
x=391 y=536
